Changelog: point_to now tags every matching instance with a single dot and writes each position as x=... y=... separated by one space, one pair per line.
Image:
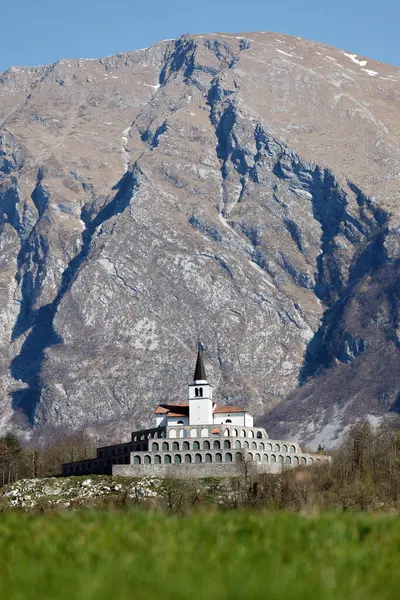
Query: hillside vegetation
x=103 y=555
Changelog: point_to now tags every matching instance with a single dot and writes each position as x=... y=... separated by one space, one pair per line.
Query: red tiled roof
x=163 y=409
x=215 y=430
x=173 y=414
x=229 y=409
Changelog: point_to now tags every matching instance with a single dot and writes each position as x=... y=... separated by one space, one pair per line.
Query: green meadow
x=88 y=555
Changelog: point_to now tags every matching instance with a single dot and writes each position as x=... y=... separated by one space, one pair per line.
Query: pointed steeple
x=200 y=372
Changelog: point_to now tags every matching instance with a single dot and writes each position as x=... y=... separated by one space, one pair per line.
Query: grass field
x=92 y=555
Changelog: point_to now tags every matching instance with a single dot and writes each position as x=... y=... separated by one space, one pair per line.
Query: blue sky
x=41 y=31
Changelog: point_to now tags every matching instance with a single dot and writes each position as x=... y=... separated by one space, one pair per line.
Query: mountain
x=240 y=190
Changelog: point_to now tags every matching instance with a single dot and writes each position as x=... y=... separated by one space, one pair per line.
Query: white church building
x=197 y=438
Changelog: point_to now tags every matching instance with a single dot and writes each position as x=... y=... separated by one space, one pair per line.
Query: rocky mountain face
x=241 y=190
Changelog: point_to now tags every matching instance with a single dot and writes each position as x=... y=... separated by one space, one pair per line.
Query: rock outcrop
x=238 y=189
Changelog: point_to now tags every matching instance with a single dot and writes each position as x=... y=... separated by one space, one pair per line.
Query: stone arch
x=326 y=462
x=310 y=461
x=234 y=432
x=198 y=458
x=262 y=446
x=185 y=446
x=227 y=444
x=258 y=457
x=273 y=458
x=217 y=445
x=249 y=457
x=177 y=459
x=137 y=460
x=265 y=457
x=238 y=444
x=188 y=458
x=303 y=460
x=246 y=445
x=253 y=446
x=288 y=460
x=226 y=432
x=172 y=433
x=295 y=460
x=147 y=460
x=208 y=458
x=196 y=392
x=251 y=433
x=318 y=461
x=228 y=420
x=157 y=459
x=269 y=447
x=238 y=457
x=165 y=446
x=228 y=457
x=180 y=423
x=284 y=448
x=218 y=457
x=292 y=448
x=193 y=433
x=277 y=448
x=206 y=445
x=280 y=459
x=182 y=432
x=175 y=446
x=167 y=459
x=242 y=433
x=204 y=432
x=259 y=434
x=196 y=445
x=154 y=447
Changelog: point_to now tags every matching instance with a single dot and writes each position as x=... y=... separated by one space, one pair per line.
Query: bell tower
x=200 y=396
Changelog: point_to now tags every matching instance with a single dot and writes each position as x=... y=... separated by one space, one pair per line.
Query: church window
x=208 y=458
x=147 y=460
x=238 y=445
x=177 y=459
x=238 y=457
x=273 y=458
x=258 y=458
x=288 y=460
x=228 y=457
x=228 y=421
x=188 y=458
x=217 y=445
x=165 y=447
x=154 y=447
x=196 y=392
x=136 y=461
x=175 y=446
x=253 y=446
x=185 y=446
x=259 y=434
x=292 y=448
x=167 y=459
x=206 y=445
x=201 y=392
x=157 y=459
x=265 y=457
x=196 y=445
x=180 y=423
x=193 y=433
x=198 y=458
x=204 y=432
x=218 y=457
x=227 y=444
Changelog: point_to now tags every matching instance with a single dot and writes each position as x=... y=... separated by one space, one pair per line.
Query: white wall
x=248 y=420
x=161 y=420
x=174 y=421
x=200 y=411
x=236 y=418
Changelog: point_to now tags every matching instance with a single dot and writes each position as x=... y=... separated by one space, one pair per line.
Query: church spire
x=200 y=372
